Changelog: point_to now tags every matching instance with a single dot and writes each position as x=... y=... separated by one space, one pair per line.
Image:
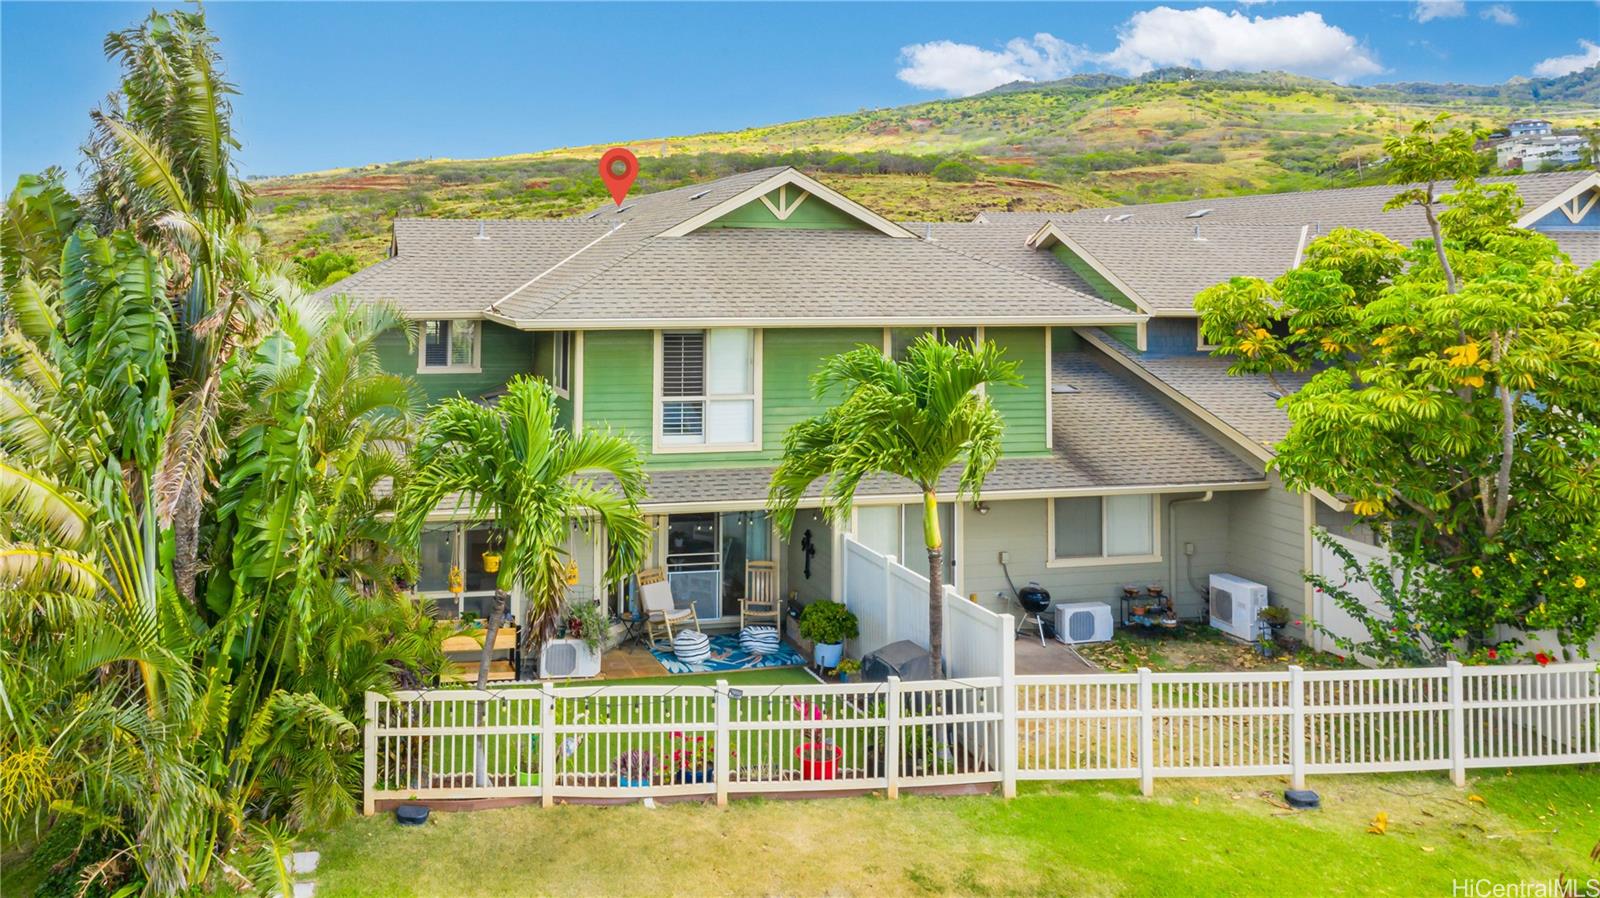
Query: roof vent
x=482 y=233
x=1197 y=232
x=1274 y=395
x=1063 y=388
x=927 y=231
x=1198 y=213
x=1123 y=217
x=701 y=195
x=593 y=215
x=622 y=209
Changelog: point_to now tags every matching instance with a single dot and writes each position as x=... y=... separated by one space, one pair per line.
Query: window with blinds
x=708 y=388
x=449 y=344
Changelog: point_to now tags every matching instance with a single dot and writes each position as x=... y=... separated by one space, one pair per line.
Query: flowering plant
x=695 y=752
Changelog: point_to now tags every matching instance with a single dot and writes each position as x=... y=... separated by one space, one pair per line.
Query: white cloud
x=1556 y=66
x=1206 y=38
x=1428 y=10
x=963 y=69
x=1202 y=38
x=1500 y=14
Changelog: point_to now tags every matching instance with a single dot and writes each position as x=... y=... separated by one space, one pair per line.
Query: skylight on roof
x=1063 y=388
x=1123 y=217
x=1198 y=213
x=622 y=209
x=699 y=195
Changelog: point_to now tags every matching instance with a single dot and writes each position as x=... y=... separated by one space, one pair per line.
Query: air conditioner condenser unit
x=568 y=658
x=1083 y=622
x=1235 y=603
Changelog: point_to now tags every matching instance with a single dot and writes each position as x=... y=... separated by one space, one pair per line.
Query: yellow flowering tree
x=1455 y=392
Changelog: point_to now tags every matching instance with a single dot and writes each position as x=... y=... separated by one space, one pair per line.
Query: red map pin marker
x=618 y=168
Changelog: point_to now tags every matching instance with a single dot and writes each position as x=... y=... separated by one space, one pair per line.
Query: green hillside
x=1084 y=141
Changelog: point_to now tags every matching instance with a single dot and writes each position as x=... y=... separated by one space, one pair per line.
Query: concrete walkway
x=1050 y=658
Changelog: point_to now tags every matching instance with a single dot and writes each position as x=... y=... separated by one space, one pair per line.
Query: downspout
x=1173 y=547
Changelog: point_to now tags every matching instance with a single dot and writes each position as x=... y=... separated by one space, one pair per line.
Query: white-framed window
x=561 y=362
x=449 y=344
x=1200 y=343
x=708 y=389
x=459 y=546
x=1090 y=530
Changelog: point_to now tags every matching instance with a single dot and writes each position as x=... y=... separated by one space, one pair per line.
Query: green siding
x=1022 y=406
x=619 y=382
x=813 y=214
x=505 y=353
x=1127 y=333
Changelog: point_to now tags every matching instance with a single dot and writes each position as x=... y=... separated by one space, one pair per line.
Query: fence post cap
x=1295 y=668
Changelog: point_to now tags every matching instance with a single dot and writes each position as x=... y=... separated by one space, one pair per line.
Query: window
x=447 y=546
x=449 y=345
x=901 y=338
x=708 y=389
x=1101 y=529
x=561 y=361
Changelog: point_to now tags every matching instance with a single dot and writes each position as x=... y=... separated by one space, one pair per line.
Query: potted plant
x=828 y=625
x=587 y=622
x=634 y=768
x=847 y=667
x=1275 y=617
x=695 y=758
x=818 y=760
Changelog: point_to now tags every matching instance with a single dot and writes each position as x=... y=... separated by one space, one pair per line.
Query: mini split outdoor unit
x=1235 y=602
x=1083 y=622
x=568 y=658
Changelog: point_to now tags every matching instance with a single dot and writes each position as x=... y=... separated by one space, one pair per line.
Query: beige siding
x=1018 y=527
x=1268 y=544
x=792 y=564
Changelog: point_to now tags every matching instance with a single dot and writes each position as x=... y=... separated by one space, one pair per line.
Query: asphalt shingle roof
x=1244 y=403
x=1152 y=249
x=612 y=265
x=1357 y=207
x=1166 y=264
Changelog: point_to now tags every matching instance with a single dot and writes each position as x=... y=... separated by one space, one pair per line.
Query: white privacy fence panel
x=977 y=642
x=866 y=594
x=604 y=741
x=890 y=602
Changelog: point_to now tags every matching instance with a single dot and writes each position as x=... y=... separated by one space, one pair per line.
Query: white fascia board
x=810 y=185
x=868 y=321
x=1051 y=232
x=1589 y=182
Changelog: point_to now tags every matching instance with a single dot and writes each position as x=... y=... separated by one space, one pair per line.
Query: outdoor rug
x=727 y=655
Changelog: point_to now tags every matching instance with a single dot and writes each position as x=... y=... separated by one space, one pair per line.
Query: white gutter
x=819 y=321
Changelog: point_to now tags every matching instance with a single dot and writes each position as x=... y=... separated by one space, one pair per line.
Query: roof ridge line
x=579 y=251
x=561 y=295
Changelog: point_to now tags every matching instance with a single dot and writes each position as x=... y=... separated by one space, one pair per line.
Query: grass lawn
x=1196 y=837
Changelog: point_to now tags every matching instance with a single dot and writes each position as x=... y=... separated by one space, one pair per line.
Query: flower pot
x=527 y=778
x=630 y=783
x=827 y=654
x=491 y=562
x=818 y=760
x=696 y=775
x=844 y=676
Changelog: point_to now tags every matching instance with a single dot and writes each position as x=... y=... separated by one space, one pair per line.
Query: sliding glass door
x=706 y=554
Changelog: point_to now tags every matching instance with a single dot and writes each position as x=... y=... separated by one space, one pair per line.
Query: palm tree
x=915 y=418
x=512 y=465
x=161 y=156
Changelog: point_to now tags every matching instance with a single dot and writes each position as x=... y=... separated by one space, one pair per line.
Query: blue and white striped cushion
x=691 y=646
x=759 y=640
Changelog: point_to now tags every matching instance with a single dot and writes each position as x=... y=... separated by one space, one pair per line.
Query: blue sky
x=330 y=84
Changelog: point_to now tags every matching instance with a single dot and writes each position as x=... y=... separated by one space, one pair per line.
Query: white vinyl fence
x=890 y=602
x=715 y=741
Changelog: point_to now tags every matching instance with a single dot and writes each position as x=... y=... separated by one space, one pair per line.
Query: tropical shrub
x=1452 y=394
x=828 y=623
